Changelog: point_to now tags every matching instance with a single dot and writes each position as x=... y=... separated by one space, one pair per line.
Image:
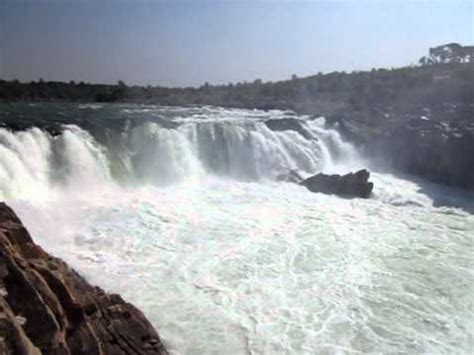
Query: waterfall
x=35 y=163
x=177 y=210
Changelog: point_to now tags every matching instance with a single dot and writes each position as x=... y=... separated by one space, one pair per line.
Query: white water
x=189 y=225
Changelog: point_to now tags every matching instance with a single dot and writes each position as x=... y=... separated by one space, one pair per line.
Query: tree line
x=426 y=83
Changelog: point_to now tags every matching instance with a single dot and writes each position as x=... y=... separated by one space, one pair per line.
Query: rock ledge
x=47 y=308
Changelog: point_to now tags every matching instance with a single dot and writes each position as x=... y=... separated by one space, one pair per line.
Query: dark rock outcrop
x=435 y=142
x=47 y=308
x=350 y=185
x=446 y=159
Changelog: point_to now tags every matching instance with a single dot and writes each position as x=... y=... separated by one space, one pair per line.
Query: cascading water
x=34 y=159
x=179 y=211
x=33 y=163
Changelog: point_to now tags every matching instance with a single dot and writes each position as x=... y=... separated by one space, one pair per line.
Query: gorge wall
x=435 y=142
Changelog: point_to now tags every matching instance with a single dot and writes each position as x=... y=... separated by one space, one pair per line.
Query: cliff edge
x=47 y=308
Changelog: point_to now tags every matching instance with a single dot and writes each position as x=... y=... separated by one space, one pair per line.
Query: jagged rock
x=350 y=185
x=46 y=307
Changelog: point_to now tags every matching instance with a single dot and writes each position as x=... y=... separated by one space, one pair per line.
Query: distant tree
x=447 y=53
x=205 y=86
x=294 y=77
x=119 y=92
x=423 y=61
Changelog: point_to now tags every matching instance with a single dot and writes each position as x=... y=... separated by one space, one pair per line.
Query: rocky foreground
x=47 y=308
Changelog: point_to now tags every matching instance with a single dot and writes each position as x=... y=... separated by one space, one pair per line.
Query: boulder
x=46 y=307
x=350 y=185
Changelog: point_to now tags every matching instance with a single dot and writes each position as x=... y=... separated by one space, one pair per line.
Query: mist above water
x=241 y=148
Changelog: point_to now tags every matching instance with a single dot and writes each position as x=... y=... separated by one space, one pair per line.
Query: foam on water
x=224 y=260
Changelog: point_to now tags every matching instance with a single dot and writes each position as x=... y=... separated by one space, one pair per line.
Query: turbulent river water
x=179 y=212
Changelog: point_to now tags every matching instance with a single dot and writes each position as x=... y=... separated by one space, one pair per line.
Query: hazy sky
x=181 y=43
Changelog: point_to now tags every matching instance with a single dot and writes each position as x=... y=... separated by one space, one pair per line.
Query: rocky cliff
x=434 y=142
x=48 y=308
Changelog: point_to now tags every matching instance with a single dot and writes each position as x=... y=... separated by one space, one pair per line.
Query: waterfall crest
x=34 y=162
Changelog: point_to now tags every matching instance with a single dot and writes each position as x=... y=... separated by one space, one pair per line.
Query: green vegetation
x=449 y=53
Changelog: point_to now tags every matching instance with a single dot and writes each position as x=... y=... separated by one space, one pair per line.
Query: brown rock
x=46 y=307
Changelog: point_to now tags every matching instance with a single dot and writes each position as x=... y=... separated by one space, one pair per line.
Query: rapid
x=180 y=212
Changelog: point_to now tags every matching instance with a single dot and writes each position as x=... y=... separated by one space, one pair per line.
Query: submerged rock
x=46 y=307
x=350 y=185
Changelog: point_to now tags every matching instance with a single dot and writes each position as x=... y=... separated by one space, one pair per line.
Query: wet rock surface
x=48 y=308
x=350 y=185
